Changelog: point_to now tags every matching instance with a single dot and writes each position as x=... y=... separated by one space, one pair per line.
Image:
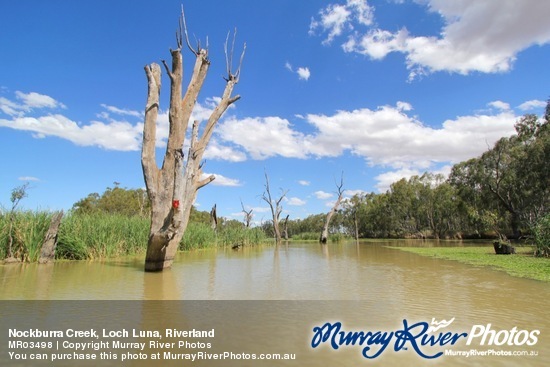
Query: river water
x=270 y=299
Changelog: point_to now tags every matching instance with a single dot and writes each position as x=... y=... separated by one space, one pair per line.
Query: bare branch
x=205 y=181
x=184 y=24
x=229 y=58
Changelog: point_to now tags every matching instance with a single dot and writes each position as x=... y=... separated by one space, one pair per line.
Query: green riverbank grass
x=523 y=264
x=103 y=236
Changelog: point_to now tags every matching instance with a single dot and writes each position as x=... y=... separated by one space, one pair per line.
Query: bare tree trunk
x=356 y=223
x=213 y=218
x=172 y=189
x=47 y=252
x=276 y=209
x=324 y=233
x=285 y=228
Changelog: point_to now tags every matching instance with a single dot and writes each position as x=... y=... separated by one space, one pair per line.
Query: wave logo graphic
x=434 y=326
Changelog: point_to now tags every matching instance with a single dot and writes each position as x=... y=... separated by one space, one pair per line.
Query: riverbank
x=523 y=264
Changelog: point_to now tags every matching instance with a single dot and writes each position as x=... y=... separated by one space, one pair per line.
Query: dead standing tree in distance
x=324 y=233
x=276 y=208
x=247 y=216
x=172 y=189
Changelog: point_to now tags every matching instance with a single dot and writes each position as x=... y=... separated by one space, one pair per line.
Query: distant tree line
x=505 y=192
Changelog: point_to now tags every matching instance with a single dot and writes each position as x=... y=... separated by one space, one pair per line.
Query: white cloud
x=478 y=35
x=263 y=137
x=303 y=73
x=304 y=182
x=387 y=178
x=116 y=135
x=37 y=100
x=499 y=105
x=222 y=180
x=215 y=150
x=28 y=102
x=387 y=136
x=121 y=111
x=322 y=195
x=334 y=19
x=350 y=193
x=28 y=178
x=294 y=201
x=531 y=105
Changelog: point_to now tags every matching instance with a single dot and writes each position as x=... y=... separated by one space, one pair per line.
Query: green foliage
x=542 y=236
x=117 y=200
x=229 y=234
x=99 y=235
x=27 y=233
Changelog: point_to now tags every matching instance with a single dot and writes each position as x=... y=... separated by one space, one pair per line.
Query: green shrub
x=542 y=236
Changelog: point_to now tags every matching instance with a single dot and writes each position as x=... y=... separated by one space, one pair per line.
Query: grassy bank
x=101 y=236
x=523 y=264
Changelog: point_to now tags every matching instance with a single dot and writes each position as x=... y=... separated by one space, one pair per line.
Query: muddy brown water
x=267 y=298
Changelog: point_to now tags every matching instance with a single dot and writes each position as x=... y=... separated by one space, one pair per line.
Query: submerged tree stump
x=502 y=248
x=47 y=253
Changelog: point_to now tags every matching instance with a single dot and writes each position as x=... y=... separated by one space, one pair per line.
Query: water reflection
x=389 y=285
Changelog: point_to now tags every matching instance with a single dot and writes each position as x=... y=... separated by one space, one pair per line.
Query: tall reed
x=100 y=235
x=28 y=231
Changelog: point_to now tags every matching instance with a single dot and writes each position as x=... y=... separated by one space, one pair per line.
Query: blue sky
x=378 y=90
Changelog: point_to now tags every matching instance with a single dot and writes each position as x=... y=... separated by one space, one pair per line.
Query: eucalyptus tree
x=172 y=188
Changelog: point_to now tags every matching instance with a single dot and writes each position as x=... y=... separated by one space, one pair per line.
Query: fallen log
x=502 y=248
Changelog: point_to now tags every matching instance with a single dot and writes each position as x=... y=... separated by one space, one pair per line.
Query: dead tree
x=276 y=208
x=285 y=228
x=47 y=251
x=172 y=189
x=247 y=216
x=213 y=218
x=324 y=233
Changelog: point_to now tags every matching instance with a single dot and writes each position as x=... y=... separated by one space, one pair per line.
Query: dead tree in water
x=276 y=208
x=285 y=228
x=247 y=216
x=213 y=218
x=173 y=188
x=324 y=233
x=47 y=251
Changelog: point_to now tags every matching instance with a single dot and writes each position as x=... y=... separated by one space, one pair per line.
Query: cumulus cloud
x=302 y=72
x=322 y=195
x=263 y=137
x=111 y=131
x=27 y=102
x=384 y=180
x=477 y=35
x=222 y=180
x=304 y=182
x=294 y=201
x=386 y=137
x=499 y=105
x=531 y=105
x=334 y=19
x=215 y=150
x=116 y=135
